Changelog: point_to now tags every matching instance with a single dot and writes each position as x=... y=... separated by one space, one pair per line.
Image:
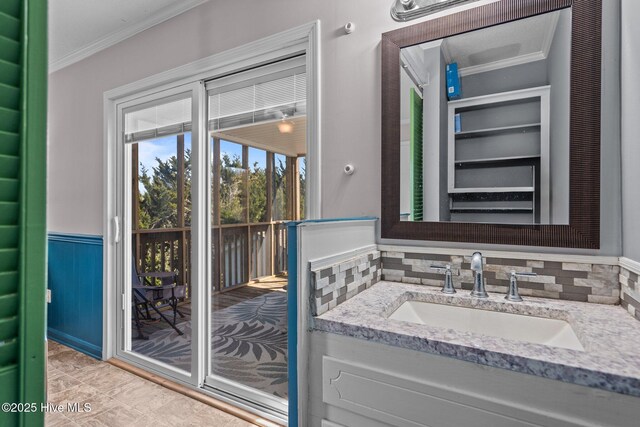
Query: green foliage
x=280 y=187
x=302 y=162
x=232 y=193
x=257 y=194
x=159 y=201
x=159 y=197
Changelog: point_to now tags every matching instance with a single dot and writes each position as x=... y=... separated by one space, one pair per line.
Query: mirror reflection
x=485 y=124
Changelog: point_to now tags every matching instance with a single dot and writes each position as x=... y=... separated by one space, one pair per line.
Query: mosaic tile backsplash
x=337 y=283
x=586 y=282
x=597 y=283
x=630 y=288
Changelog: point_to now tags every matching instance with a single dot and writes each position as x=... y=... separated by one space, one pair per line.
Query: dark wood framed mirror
x=581 y=229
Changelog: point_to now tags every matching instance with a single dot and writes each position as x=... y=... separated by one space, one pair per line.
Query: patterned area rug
x=249 y=343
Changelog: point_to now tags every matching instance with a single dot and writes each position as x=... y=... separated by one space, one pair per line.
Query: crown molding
x=127 y=32
x=504 y=63
x=540 y=55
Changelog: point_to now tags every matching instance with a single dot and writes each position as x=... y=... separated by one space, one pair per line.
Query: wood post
x=215 y=204
x=270 y=194
x=292 y=189
x=180 y=203
x=135 y=193
x=247 y=219
x=180 y=182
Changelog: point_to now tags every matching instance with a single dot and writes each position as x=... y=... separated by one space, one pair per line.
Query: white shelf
x=497 y=160
x=493 y=190
x=491 y=210
x=497 y=131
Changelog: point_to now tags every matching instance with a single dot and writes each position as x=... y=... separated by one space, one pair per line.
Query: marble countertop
x=609 y=335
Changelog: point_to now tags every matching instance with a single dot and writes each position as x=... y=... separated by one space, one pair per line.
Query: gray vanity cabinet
x=498 y=157
x=362 y=383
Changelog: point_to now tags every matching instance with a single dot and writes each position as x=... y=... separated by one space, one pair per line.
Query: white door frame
x=304 y=39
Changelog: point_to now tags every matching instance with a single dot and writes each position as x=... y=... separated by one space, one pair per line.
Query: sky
x=163 y=148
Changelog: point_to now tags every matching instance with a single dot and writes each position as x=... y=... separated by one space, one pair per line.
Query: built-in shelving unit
x=498 y=167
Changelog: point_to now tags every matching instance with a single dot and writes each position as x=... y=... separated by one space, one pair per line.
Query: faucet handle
x=523 y=274
x=513 y=294
x=448 y=281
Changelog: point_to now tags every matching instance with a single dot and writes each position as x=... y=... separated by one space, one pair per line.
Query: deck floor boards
x=220 y=301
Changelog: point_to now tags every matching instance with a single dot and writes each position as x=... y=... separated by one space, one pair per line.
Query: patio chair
x=146 y=294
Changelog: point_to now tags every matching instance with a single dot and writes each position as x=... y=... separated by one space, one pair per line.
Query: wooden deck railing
x=239 y=252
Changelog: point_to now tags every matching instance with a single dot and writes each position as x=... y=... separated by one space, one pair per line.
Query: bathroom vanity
x=378 y=356
x=513 y=159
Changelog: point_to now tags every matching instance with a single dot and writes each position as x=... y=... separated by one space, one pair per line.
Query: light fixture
x=406 y=10
x=284 y=125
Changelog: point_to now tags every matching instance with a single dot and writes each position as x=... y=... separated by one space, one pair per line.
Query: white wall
x=350 y=97
x=630 y=65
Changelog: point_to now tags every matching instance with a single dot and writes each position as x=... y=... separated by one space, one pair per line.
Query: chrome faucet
x=513 y=294
x=448 y=281
x=478 y=279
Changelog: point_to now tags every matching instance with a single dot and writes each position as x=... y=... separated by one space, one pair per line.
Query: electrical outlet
x=48 y=296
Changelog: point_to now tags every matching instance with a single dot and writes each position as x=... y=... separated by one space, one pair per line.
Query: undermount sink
x=537 y=330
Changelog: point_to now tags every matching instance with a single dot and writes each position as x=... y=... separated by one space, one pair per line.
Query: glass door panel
x=158 y=142
x=248 y=303
x=257 y=129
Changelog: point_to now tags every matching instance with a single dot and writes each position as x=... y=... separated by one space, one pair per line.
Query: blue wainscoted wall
x=75 y=281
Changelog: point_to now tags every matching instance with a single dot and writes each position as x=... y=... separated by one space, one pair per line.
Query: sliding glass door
x=208 y=175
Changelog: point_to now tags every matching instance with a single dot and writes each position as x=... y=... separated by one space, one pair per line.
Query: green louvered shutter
x=417 y=193
x=23 y=76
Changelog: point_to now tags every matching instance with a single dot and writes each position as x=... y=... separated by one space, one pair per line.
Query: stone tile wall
x=630 y=289
x=596 y=283
x=335 y=284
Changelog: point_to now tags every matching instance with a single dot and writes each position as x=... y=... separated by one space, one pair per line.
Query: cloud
x=161 y=148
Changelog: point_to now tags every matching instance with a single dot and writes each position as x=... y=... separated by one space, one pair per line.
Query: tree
x=257 y=194
x=159 y=200
x=232 y=196
x=302 y=164
x=159 y=197
x=280 y=184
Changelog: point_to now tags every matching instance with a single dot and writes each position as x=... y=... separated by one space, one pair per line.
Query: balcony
x=254 y=192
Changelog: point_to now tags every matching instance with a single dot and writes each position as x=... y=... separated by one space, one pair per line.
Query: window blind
x=168 y=118
x=249 y=102
x=258 y=101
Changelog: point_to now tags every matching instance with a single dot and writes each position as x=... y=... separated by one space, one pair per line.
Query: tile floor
x=119 y=398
